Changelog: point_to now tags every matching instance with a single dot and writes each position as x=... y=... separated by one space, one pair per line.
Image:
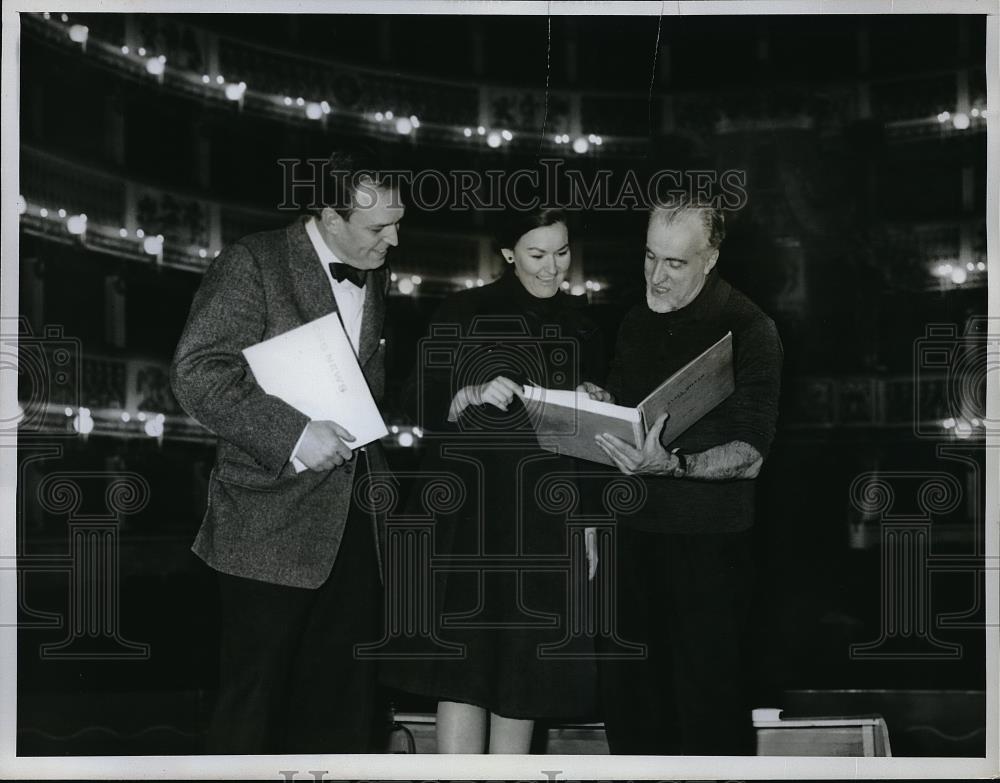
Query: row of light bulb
x=960 y=120
x=404 y=125
x=956 y=272
x=577 y=289
x=152 y=244
x=581 y=144
x=494 y=138
x=317 y=110
x=83 y=421
x=961 y=428
x=408 y=284
x=406 y=437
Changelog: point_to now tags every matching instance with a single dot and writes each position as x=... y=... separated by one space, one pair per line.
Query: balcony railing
x=376 y=102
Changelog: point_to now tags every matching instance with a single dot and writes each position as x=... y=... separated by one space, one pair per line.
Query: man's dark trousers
x=290 y=681
x=686 y=597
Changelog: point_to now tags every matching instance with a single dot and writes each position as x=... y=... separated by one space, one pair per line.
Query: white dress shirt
x=350 y=303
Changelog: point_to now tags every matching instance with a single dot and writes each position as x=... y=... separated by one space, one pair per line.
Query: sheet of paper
x=314 y=369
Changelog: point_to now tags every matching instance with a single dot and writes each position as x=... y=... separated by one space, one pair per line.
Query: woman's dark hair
x=512 y=225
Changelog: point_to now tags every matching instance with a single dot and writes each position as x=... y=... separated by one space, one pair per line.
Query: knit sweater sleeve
x=757 y=368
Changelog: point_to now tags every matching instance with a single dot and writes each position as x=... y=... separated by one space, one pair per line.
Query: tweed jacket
x=264 y=521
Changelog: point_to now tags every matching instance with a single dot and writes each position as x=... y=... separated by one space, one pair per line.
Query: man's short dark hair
x=712 y=218
x=352 y=172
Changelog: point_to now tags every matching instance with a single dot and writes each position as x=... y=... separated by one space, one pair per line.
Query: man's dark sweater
x=651 y=346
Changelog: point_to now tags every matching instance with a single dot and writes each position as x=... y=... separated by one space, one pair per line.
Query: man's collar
x=326 y=255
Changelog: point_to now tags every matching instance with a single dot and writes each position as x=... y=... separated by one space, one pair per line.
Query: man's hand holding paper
x=323 y=446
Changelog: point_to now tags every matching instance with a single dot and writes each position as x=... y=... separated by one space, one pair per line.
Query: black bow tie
x=342 y=272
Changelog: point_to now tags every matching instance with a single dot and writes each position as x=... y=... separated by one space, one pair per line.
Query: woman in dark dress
x=507 y=605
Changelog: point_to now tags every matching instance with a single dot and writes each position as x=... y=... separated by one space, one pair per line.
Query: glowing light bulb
x=83 y=423
x=77 y=224
x=404 y=126
x=494 y=140
x=156 y=65
x=234 y=92
x=22 y=205
x=79 y=33
x=405 y=286
x=405 y=439
x=960 y=120
x=314 y=111
x=467 y=132
x=153 y=245
x=580 y=145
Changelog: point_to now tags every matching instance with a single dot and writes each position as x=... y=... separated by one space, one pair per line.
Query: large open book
x=567 y=422
x=314 y=369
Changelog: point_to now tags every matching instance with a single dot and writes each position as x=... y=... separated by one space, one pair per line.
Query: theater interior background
x=864 y=236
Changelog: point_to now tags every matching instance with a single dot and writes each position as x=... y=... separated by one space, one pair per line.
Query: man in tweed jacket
x=297 y=553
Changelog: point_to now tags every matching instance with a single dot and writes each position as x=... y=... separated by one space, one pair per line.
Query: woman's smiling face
x=541 y=259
